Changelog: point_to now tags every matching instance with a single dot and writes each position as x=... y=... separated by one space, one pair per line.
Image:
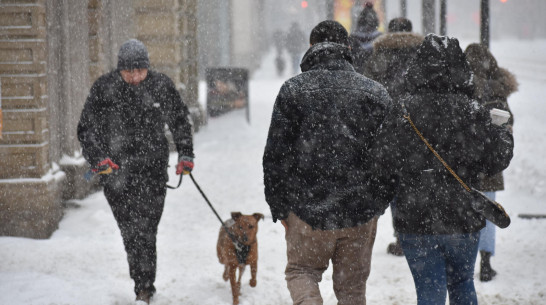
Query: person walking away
x=295 y=45
x=316 y=169
x=392 y=53
x=278 y=40
x=122 y=134
x=361 y=40
x=435 y=221
x=493 y=85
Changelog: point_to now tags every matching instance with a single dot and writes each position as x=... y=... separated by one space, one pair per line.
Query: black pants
x=137 y=204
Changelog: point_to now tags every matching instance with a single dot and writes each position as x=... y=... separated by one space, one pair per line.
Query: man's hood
x=440 y=66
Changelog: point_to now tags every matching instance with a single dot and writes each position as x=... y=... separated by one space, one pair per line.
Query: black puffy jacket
x=126 y=123
x=315 y=161
x=429 y=200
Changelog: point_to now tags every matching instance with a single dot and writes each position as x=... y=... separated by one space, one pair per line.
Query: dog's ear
x=258 y=216
x=235 y=215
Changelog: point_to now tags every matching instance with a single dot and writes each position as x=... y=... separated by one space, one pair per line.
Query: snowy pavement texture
x=84 y=261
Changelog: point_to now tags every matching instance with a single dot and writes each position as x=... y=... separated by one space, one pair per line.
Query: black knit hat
x=400 y=24
x=368 y=20
x=329 y=30
x=133 y=55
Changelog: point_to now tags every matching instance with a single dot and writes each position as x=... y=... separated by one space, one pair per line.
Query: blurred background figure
x=492 y=86
x=295 y=45
x=362 y=38
x=391 y=56
x=279 y=43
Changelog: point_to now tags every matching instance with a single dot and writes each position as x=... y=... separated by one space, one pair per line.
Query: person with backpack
x=435 y=220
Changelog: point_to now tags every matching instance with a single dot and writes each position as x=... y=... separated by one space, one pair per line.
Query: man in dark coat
x=434 y=219
x=363 y=36
x=295 y=45
x=392 y=53
x=316 y=168
x=122 y=134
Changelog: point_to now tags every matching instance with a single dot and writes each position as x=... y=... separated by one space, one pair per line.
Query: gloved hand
x=105 y=167
x=184 y=166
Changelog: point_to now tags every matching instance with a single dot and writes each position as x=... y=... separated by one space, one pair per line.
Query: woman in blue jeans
x=434 y=219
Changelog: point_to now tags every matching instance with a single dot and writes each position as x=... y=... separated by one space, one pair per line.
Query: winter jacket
x=429 y=200
x=492 y=86
x=392 y=53
x=362 y=47
x=126 y=123
x=315 y=161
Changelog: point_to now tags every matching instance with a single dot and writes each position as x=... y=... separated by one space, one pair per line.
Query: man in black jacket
x=316 y=168
x=122 y=134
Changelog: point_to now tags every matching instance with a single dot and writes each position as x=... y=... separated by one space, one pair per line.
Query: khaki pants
x=309 y=252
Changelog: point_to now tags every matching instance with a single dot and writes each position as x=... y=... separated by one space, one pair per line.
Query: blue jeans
x=487 y=234
x=440 y=264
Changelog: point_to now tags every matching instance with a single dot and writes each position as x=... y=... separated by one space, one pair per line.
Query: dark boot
x=486 y=272
x=144 y=296
x=395 y=248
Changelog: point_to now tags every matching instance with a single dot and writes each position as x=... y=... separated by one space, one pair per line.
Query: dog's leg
x=225 y=276
x=241 y=271
x=235 y=287
x=253 y=272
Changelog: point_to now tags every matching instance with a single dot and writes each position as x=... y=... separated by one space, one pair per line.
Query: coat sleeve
x=278 y=158
x=91 y=126
x=179 y=121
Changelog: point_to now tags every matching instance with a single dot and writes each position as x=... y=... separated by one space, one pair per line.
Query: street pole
x=404 y=8
x=428 y=16
x=443 y=16
x=484 y=23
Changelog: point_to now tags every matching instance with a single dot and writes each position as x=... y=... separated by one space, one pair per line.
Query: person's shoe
x=486 y=272
x=395 y=248
x=143 y=297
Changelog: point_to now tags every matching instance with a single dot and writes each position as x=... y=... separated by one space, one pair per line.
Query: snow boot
x=143 y=298
x=486 y=272
x=395 y=248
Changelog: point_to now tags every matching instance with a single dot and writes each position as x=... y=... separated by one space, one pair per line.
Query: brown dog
x=238 y=249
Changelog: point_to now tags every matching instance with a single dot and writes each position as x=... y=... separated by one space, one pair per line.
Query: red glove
x=184 y=166
x=105 y=167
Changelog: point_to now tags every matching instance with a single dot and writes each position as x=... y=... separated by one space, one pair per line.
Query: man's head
x=400 y=24
x=133 y=61
x=329 y=30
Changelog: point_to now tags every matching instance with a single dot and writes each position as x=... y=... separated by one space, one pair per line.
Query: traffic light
x=304 y=4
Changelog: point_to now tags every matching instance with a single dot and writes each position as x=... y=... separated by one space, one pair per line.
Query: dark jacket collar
x=327 y=56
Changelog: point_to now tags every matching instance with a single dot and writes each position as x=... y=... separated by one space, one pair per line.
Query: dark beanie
x=329 y=30
x=133 y=55
x=400 y=24
x=368 y=20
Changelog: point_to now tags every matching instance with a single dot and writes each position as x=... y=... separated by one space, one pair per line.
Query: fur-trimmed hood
x=490 y=80
x=398 y=40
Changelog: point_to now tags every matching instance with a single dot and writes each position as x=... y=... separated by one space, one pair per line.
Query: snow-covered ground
x=84 y=261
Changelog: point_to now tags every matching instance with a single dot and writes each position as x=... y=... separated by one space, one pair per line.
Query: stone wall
x=30 y=188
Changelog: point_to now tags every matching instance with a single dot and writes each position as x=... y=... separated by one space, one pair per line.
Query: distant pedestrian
x=493 y=85
x=122 y=134
x=392 y=53
x=316 y=170
x=436 y=224
x=279 y=42
x=361 y=40
x=295 y=45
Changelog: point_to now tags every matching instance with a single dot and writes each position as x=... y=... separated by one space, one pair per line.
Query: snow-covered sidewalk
x=84 y=261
